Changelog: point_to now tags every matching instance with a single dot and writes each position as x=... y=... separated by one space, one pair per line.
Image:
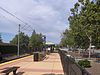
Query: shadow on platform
x=20 y=73
x=52 y=74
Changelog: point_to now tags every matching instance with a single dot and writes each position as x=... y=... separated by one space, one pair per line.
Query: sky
x=49 y=17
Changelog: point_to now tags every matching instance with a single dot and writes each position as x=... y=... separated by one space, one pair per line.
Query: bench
x=10 y=69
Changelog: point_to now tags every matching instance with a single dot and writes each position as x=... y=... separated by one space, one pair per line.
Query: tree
x=35 y=41
x=67 y=39
x=85 y=24
x=0 y=39
x=23 y=41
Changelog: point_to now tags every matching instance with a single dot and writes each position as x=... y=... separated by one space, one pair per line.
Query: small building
x=51 y=46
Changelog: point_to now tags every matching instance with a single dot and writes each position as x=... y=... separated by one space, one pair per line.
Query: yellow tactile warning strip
x=13 y=61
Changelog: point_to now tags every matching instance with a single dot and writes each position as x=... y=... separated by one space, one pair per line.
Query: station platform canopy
x=50 y=43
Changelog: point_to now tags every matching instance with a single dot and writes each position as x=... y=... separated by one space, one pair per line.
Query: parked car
x=98 y=57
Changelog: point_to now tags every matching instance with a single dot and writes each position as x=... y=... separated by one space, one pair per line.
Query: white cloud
x=45 y=16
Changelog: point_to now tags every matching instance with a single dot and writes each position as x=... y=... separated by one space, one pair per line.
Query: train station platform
x=51 y=65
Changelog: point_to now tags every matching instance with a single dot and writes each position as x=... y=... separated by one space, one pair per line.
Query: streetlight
x=44 y=41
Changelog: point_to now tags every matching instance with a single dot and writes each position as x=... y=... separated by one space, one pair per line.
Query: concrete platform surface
x=51 y=65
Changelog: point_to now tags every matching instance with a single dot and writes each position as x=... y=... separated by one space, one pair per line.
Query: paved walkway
x=95 y=68
x=50 y=66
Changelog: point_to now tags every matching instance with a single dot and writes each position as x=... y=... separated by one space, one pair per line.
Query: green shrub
x=84 y=63
x=8 y=49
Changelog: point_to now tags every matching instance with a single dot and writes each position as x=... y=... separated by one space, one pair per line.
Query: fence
x=70 y=67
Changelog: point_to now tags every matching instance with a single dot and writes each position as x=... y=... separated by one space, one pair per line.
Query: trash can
x=36 y=56
x=0 y=57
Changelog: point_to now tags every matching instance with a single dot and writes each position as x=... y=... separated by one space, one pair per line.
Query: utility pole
x=18 y=40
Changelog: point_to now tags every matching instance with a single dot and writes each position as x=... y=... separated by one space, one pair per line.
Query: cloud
x=45 y=16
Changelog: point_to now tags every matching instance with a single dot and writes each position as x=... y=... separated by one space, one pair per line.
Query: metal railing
x=70 y=67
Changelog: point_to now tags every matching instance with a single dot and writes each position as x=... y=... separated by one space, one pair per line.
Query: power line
x=25 y=27
x=26 y=24
x=28 y=28
x=12 y=14
x=22 y=29
x=7 y=18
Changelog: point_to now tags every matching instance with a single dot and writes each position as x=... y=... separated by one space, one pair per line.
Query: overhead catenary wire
x=11 y=34
x=28 y=28
x=26 y=24
x=11 y=14
x=23 y=28
x=7 y=18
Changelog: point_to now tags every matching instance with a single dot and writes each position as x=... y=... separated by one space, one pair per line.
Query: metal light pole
x=18 y=40
x=44 y=38
x=44 y=41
